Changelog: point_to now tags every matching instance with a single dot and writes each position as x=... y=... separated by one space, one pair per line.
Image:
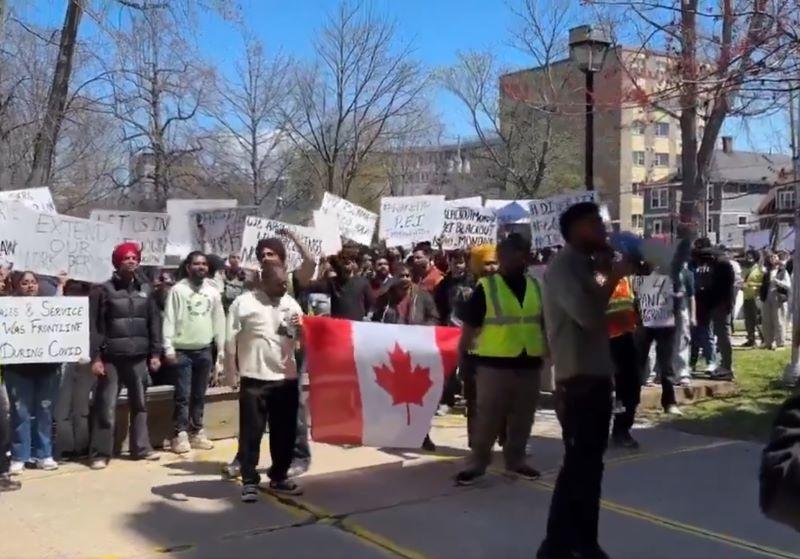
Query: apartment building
x=635 y=144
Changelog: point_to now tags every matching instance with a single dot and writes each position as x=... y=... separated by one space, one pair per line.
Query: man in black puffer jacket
x=126 y=339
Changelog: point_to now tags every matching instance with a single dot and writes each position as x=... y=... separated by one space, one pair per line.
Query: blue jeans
x=5 y=430
x=32 y=396
x=191 y=382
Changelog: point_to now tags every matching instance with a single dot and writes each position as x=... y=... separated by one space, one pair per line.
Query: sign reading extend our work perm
x=147 y=229
x=44 y=329
x=545 y=214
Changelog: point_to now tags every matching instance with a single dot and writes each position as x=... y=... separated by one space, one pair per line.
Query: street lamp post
x=588 y=47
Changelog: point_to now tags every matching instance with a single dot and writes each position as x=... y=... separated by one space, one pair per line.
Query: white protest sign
x=470 y=202
x=39 y=198
x=545 y=214
x=406 y=220
x=16 y=225
x=327 y=226
x=220 y=231
x=44 y=329
x=468 y=227
x=80 y=247
x=147 y=229
x=181 y=231
x=257 y=228
x=656 y=303
x=355 y=223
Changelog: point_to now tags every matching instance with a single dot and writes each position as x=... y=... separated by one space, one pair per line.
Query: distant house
x=739 y=182
x=776 y=210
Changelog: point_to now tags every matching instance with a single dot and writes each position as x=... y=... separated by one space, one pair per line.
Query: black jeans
x=132 y=373
x=627 y=381
x=191 y=382
x=665 y=343
x=5 y=430
x=583 y=407
x=71 y=413
x=261 y=403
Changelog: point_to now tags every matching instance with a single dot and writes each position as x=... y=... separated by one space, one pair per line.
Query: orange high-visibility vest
x=621 y=312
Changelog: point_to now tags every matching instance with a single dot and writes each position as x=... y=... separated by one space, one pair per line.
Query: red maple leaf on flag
x=405 y=385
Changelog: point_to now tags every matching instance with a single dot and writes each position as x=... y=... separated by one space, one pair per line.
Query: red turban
x=124 y=250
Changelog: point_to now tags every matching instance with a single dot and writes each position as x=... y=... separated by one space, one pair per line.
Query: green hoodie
x=193 y=318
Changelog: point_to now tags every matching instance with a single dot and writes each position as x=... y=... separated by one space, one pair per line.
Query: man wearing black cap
x=577 y=328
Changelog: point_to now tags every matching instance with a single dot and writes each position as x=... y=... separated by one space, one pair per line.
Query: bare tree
x=156 y=87
x=250 y=150
x=728 y=58
x=362 y=80
x=519 y=126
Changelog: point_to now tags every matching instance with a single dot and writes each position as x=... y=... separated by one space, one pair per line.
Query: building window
x=662 y=159
x=637 y=221
x=710 y=224
x=743 y=221
x=636 y=188
x=659 y=198
x=743 y=189
x=638 y=128
x=658 y=227
x=786 y=199
x=662 y=129
x=638 y=158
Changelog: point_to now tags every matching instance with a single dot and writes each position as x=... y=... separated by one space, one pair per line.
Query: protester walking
x=623 y=321
x=503 y=329
x=125 y=326
x=193 y=320
x=775 y=290
x=262 y=333
x=32 y=389
x=577 y=328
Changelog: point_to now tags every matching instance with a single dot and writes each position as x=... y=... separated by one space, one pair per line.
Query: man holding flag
x=503 y=330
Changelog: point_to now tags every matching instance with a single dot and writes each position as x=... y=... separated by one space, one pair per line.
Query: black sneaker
x=9 y=484
x=526 y=472
x=469 y=477
x=721 y=374
x=624 y=440
x=232 y=470
x=428 y=445
x=250 y=493
x=297 y=469
x=285 y=487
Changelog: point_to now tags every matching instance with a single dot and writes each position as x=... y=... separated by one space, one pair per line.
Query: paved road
x=683 y=496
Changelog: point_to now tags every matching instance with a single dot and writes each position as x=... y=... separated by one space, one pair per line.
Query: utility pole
x=791 y=374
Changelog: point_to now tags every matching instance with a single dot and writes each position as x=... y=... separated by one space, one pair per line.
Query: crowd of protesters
x=211 y=319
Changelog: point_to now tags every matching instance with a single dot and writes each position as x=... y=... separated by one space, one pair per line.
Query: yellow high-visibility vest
x=508 y=327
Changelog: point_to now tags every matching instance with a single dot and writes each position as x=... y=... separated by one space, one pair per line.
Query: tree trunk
x=690 y=212
x=46 y=137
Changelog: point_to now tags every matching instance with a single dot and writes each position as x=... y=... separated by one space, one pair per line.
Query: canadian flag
x=375 y=384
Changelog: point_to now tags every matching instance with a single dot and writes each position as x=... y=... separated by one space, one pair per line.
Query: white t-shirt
x=260 y=338
x=656 y=302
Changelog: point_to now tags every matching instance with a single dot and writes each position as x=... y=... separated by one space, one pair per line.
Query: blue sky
x=438 y=29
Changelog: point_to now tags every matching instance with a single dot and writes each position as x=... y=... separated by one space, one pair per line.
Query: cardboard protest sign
x=220 y=231
x=406 y=220
x=257 y=228
x=468 y=227
x=327 y=226
x=147 y=229
x=355 y=223
x=470 y=202
x=545 y=214
x=656 y=303
x=39 y=199
x=181 y=230
x=54 y=243
x=44 y=329
x=16 y=223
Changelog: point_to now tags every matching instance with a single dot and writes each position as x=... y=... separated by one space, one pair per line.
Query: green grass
x=749 y=414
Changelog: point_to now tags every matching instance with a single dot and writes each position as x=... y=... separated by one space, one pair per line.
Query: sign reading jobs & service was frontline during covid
x=44 y=330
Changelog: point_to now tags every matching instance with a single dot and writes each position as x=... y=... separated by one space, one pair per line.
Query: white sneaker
x=442 y=410
x=200 y=441
x=686 y=382
x=711 y=368
x=16 y=468
x=674 y=410
x=180 y=443
x=47 y=464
